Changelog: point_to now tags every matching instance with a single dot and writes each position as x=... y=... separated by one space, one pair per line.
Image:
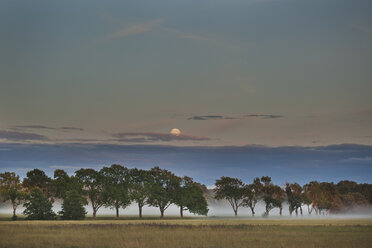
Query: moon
x=175 y=131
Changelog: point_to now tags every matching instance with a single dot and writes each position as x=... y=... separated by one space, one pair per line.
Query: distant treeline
x=117 y=187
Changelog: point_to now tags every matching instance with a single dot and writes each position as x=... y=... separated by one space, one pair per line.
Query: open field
x=192 y=232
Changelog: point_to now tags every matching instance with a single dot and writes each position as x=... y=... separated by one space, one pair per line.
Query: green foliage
x=273 y=195
x=163 y=190
x=38 y=178
x=140 y=185
x=116 y=187
x=73 y=206
x=38 y=206
x=93 y=183
x=231 y=189
x=11 y=190
x=252 y=194
x=189 y=196
x=294 y=196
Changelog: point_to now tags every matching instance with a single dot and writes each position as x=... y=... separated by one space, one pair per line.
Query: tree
x=73 y=206
x=294 y=197
x=140 y=184
x=63 y=183
x=116 y=187
x=189 y=196
x=273 y=195
x=312 y=192
x=231 y=189
x=163 y=189
x=11 y=190
x=93 y=187
x=252 y=194
x=38 y=178
x=38 y=206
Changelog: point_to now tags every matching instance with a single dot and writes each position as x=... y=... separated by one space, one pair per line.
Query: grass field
x=191 y=232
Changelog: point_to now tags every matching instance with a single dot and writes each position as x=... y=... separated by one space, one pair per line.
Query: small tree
x=231 y=189
x=73 y=206
x=38 y=207
x=11 y=190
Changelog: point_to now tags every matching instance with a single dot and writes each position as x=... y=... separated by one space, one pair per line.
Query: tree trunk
x=181 y=211
x=161 y=213
x=140 y=210
x=236 y=212
x=94 y=213
x=117 y=212
x=296 y=211
x=14 y=212
x=301 y=211
x=280 y=212
x=252 y=209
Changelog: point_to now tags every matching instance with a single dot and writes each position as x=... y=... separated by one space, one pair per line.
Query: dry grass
x=188 y=233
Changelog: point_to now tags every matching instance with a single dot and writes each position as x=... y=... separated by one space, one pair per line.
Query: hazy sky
x=225 y=72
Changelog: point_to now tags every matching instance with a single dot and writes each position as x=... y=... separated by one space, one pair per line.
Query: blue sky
x=271 y=73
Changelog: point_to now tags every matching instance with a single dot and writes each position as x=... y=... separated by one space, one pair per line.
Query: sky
x=115 y=77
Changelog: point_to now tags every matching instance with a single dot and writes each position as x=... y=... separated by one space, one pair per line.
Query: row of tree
x=115 y=187
x=321 y=197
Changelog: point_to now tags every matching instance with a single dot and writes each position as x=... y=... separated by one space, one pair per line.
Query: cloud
x=153 y=137
x=48 y=128
x=362 y=29
x=358 y=159
x=136 y=29
x=20 y=136
x=220 y=117
x=202 y=38
x=210 y=117
x=264 y=116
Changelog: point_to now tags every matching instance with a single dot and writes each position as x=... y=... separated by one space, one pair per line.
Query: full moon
x=175 y=131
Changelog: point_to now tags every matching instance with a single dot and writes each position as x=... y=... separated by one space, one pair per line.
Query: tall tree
x=139 y=190
x=116 y=187
x=231 y=189
x=163 y=189
x=252 y=194
x=93 y=187
x=189 y=196
x=38 y=206
x=38 y=178
x=11 y=190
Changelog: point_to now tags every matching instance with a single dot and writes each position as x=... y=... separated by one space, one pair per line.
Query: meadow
x=189 y=232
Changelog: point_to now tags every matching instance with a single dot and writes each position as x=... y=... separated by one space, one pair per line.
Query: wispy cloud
x=136 y=29
x=363 y=29
x=210 y=117
x=264 y=116
x=47 y=127
x=20 y=136
x=138 y=137
x=221 y=117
